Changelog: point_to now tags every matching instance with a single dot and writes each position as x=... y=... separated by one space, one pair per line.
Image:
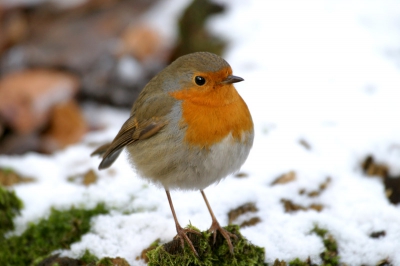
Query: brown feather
x=130 y=132
x=101 y=150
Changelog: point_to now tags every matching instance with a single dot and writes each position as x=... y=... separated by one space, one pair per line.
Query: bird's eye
x=200 y=80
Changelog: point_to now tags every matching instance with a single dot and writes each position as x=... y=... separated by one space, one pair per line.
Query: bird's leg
x=216 y=227
x=181 y=231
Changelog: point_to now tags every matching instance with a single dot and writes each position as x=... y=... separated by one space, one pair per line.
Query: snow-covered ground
x=327 y=72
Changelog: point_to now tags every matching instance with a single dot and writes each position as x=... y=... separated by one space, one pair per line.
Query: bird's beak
x=232 y=79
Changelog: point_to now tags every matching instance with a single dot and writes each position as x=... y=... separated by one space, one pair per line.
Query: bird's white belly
x=191 y=168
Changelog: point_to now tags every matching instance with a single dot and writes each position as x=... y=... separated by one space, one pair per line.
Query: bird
x=188 y=128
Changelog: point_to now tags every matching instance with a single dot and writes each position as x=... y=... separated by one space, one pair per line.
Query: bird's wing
x=131 y=131
x=147 y=118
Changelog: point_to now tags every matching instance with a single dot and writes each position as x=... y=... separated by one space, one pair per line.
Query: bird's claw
x=182 y=235
x=226 y=234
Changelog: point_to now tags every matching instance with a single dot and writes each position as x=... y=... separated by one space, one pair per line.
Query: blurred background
x=54 y=55
x=309 y=64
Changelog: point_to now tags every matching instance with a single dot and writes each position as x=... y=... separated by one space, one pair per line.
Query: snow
x=326 y=72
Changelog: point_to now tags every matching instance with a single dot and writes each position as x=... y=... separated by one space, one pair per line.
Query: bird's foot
x=182 y=235
x=226 y=234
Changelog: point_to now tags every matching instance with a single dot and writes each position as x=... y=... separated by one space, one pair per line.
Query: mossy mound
x=58 y=231
x=245 y=253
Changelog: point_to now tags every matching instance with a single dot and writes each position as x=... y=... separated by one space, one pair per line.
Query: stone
x=142 y=42
x=28 y=96
x=67 y=125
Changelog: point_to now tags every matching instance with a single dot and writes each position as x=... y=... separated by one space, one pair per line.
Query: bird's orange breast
x=211 y=114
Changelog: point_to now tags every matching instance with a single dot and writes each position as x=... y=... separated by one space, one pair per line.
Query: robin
x=188 y=129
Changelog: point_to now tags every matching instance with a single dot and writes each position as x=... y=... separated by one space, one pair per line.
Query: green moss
x=330 y=255
x=319 y=231
x=10 y=206
x=298 y=262
x=245 y=253
x=89 y=257
x=7 y=170
x=112 y=262
x=279 y=263
x=58 y=231
x=105 y=262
